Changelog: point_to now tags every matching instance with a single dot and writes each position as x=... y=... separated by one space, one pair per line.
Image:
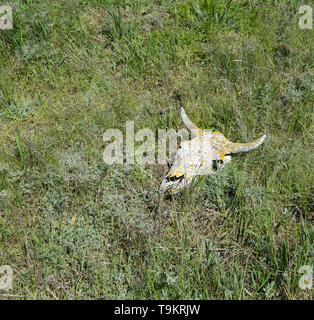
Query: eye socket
x=174 y=178
x=216 y=163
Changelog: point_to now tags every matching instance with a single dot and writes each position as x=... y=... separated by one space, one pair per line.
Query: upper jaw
x=172 y=186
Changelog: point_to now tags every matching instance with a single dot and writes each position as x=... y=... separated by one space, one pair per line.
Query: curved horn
x=233 y=147
x=195 y=130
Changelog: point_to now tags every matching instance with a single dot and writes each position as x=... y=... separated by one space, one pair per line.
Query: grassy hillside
x=73 y=227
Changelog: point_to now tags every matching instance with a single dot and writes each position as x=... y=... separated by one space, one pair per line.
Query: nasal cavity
x=175 y=178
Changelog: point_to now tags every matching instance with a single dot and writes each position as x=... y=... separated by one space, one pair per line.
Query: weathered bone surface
x=196 y=156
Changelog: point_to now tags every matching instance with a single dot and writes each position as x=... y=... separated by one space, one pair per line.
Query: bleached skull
x=196 y=156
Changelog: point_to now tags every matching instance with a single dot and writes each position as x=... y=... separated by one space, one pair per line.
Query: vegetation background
x=73 y=227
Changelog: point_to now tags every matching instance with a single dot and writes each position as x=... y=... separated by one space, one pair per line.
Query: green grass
x=73 y=227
